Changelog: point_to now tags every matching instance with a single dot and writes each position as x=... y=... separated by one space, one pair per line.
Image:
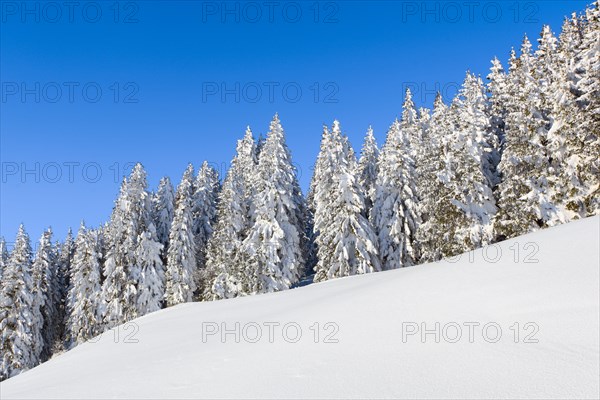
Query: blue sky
x=89 y=89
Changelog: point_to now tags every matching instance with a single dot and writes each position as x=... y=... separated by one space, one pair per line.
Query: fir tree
x=64 y=255
x=151 y=283
x=131 y=220
x=395 y=216
x=3 y=257
x=46 y=296
x=497 y=111
x=163 y=204
x=84 y=303
x=272 y=250
x=181 y=256
x=224 y=276
x=16 y=311
x=346 y=242
x=317 y=179
x=204 y=212
x=524 y=203
x=573 y=139
x=368 y=169
x=433 y=207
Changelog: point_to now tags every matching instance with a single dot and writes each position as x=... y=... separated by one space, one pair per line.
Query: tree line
x=512 y=156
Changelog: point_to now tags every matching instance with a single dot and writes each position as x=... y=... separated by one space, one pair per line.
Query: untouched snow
x=559 y=293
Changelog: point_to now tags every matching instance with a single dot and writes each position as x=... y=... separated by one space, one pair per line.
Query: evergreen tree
x=131 y=220
x=368 y=169
x=181 y=256
x=410 y=125
x=317 y=179
x=497 y=111
x=204 y=212
x=151 y=283
x=459 y=206
x=46 y=296
x=395 y=216
x=433 y=207
x=346 y=243
x=272 y=250
x=3 y=257
x=224 y=276
x=84 y=302
x=163 y=204
x=524 y=203
x=64 y=254
x=471 y=165
x=573 y=139
x=16 y=311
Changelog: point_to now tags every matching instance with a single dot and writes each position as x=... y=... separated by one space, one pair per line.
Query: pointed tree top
x=525 y=46
x=497 y=67
x=82 y=228
x=336 y=129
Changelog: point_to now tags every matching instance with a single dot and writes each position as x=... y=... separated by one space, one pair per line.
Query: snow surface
x=560 y=294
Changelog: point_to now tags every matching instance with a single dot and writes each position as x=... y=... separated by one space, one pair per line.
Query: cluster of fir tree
x=503 y=159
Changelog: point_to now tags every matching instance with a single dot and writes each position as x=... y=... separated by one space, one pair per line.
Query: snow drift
x=518 y=319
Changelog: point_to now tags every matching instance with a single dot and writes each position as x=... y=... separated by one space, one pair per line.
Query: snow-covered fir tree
x=233 y=220
x=46 y=296
x=317 y=177
x=573 y=138
x=204 y=212
x=346 y=243
x=131 y=221
x=84 y=305
x=272 y=251
x=181 y=256
x=497 y=110
x=64 y=255
x=395 y=216
x=368 y=169
x=458 y=204
x=3 y=256
x=409 y=123
x=470 y=163
x=524 y=202
x=430 y=232
x=16 y=311
x=151 y=283
x=163 y=204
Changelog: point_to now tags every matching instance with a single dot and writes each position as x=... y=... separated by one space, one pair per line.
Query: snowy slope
x=559 y=294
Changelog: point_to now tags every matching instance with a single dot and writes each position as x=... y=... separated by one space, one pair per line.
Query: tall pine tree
x=16 y=311
x=204 y=213
x=225 y=277
x=181 y=257
x=395 y=215
x=272 y=250
x=368 y=169
x=346 y=243
x=84 y=303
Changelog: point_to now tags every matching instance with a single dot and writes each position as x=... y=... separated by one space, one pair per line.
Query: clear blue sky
x=162 y=66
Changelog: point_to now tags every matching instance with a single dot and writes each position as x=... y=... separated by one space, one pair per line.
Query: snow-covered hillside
x=365 y=347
